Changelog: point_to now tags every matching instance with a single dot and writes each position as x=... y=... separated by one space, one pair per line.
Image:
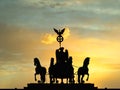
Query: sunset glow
x=92 y=29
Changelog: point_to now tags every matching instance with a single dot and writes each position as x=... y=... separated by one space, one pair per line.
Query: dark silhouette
x=51 y=71
x=59 y=33
x=61 y=55
x=34 y=86
x=83 y=70
x=39 y=70
x=63 y=67
x=71 y=70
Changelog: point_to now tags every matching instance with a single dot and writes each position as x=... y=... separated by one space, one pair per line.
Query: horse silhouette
x=39 y=70
x=83 y=70
x=51 y=71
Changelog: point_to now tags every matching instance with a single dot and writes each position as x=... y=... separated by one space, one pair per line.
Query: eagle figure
x=59 y=32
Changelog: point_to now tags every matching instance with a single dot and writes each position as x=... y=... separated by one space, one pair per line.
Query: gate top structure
x=59 y=37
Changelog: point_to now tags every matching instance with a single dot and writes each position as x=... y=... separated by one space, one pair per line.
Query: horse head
x=36 y=61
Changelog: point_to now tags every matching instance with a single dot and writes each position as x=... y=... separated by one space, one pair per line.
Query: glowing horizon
x=26 y=31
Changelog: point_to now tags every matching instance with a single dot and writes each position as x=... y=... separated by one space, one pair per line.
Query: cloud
x=94 y=6
x=48 y=38
x=44 y=13
x=101 y=10
x=51 y=38
x=52 y=3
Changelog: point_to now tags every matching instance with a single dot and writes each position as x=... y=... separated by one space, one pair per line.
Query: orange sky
x=104 y=53
x=26 y=31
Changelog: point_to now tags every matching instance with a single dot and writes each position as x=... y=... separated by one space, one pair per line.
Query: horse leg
x=53 y=79
x=67 y=80
x=56 y=80
x=62 y=80
x=73 y=81
x=35 y=77
x=42 y=78
x=70 y=80
x=50 y=78
x=82 y=81
x=78 y=78
x=87 y=77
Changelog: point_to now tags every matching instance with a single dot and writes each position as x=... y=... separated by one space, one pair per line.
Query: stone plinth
x=36 y=86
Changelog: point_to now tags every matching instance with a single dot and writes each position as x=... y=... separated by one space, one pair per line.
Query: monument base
x=86 y=86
